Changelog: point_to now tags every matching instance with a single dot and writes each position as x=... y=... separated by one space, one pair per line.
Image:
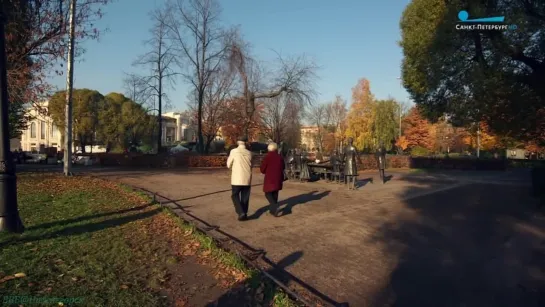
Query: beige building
x=308 y=137
x=177 y=128
x=41 y=132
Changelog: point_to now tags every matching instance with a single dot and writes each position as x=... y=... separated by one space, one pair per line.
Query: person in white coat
x=240 y=164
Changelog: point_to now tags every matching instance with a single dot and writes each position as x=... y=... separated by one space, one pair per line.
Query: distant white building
x=177 y=128
x=41 y=132
x=308 y=137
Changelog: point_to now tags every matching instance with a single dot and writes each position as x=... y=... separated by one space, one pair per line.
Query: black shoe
x=274 y=213
x=242 y=217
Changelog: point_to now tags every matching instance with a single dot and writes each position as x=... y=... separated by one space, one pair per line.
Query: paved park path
x=442 y=239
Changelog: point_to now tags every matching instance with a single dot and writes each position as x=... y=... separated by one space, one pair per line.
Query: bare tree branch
x=294 y=78
x=279 y=118
x=199 y=44
x=159 y=60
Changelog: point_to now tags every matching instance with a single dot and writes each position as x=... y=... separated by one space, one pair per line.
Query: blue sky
x=349 y=39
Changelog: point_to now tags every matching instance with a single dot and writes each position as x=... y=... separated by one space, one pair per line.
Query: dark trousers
x=272 y=197
x=381 y=172
x=241 y=198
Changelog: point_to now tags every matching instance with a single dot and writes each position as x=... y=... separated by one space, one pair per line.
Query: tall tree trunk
x=250 y=109
x=160 y=111
x=200 y=142
x=69 y=87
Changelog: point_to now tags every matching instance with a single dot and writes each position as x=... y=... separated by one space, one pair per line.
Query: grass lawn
x=96 y=243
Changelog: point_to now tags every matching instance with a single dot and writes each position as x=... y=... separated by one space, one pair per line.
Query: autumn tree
x=385 y=126
x=160 y=61
x=294 y=77
x=402 y=142
x=87 y=105
x=492 y=76
x=417 y=130
x=280 y=118
x=481 y=137
x=360 y=116
x=36 y=43
x=232 y=128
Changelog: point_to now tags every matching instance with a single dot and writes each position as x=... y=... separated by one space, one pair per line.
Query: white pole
x=69 y=88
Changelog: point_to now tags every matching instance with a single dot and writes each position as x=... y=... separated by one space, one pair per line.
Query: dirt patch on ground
x=193 y=274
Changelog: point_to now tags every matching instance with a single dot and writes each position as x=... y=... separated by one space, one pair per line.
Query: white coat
x=240 y=163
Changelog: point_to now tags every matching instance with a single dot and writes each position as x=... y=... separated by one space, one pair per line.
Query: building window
x=42 y=130
x=33 y=130
x=54 y=131
x=33 y=148
x=54 y=145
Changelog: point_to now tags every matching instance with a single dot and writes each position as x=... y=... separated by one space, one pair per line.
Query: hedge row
x=367 y=161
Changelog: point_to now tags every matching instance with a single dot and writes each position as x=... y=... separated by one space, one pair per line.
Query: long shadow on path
x=475 y=245
x=237 y=295
x=290 y=203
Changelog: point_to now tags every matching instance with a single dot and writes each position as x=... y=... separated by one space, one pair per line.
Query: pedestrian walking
x=381 y=162
x=272 y=167
x=240 y=163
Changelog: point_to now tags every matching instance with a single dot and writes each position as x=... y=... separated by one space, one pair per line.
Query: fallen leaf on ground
x=124 y=287
x=20 y=275
x=6 y=279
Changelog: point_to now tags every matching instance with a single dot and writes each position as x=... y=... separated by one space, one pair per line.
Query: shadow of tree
x=84 y=218
x=473 y=245
x=81 y=229
x=290 y=203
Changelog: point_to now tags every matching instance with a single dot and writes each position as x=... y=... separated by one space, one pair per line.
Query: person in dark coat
x=272 y=167
x=381 y=161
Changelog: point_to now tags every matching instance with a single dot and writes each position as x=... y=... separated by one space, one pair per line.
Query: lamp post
x=9 y=212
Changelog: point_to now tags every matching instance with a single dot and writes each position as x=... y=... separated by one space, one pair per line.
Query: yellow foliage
x=402 y=142
x=360 y=116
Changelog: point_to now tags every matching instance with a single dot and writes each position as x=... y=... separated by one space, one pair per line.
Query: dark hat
x=243 y=139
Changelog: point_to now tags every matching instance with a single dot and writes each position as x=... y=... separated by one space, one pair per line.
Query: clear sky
x=349 y=39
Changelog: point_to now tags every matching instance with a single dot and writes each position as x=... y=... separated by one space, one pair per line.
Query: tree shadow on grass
x=290 y=203
x=472 y=245
x=82 y=229
x=84 y=218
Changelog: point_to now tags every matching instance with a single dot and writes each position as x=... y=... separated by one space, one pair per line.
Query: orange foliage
x=235 y=117
x=488 y=140
x=402 y=142
x=534 y=147
x=329 y=142
x=418 y=130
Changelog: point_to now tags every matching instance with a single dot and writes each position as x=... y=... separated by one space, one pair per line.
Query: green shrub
x=419 y=151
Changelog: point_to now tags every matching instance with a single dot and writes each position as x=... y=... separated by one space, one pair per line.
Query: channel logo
x=480 y=24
